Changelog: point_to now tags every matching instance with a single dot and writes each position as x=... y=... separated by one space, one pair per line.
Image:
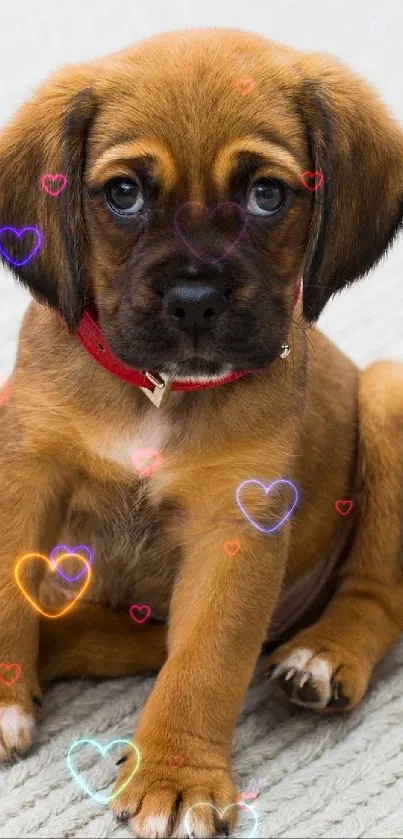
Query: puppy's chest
x=129 y=448
x=133 y=561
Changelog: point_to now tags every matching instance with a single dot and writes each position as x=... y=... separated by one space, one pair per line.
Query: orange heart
x=244 y=86
x=232 y=547
x=12 y=677
x=53 y=569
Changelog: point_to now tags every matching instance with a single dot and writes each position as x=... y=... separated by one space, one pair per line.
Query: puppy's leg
x=220 y=612
x=28 y=509
x=96 y=642
x=328 y=665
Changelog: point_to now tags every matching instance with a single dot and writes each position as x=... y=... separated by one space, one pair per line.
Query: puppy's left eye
x=267 y=197
x=124 y=196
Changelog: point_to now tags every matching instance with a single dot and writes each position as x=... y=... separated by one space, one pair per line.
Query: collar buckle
x=162 y=387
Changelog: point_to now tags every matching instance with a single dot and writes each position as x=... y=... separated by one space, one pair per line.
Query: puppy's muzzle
x=194 y=308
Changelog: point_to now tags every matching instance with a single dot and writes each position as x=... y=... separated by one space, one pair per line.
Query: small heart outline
x=140 y=608
x=229 y=550
x=244 y=86
x=55 y=177
x=343 y=501
x=312 y=175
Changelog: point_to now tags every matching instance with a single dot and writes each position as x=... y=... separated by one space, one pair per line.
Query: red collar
x=155 y=385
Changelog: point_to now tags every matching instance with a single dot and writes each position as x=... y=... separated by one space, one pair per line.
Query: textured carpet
x=341 y=777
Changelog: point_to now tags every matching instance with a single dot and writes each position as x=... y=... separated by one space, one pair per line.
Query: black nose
x=194 y=307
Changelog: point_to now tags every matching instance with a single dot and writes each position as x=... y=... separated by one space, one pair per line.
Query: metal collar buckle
x=162 y=387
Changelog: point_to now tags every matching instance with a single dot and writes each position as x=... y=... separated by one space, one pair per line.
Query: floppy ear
x=359 y=207
x=48 y=136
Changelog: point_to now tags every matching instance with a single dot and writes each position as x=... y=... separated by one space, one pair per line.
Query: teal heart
x=103 y=749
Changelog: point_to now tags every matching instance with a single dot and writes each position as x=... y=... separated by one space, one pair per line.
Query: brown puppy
x=196 y=294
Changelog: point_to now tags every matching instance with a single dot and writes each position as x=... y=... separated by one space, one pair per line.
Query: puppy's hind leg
x=93 y=642
x=328 y=665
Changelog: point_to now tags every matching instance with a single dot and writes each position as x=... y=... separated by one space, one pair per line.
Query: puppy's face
x=197 y=215
x=185 y=217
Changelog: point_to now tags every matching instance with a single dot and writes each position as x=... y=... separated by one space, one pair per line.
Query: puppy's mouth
x=195 y=369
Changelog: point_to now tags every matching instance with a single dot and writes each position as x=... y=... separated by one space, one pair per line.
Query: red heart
x=59 y=178
x=145 y=611
x=244 y=86
x=187 y=239
x=175 y=761
x=12 y=679
x=344 y=507
x=232 y=547
x=317 y=177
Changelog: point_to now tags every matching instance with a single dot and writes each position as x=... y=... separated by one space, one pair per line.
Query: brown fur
x=313 y=418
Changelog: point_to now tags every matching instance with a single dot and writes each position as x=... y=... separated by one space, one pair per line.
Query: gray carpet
x=317 y=778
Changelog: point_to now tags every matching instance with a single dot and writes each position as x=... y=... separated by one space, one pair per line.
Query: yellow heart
x=53 y=566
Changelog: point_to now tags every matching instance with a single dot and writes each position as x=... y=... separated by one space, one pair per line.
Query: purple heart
x=209 y=216
x=18 y=233
x=267 y=490
x=64 y=549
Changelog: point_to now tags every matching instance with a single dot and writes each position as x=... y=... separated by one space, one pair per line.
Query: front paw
x=17 y=728
x=17 y=716
x=177 y=794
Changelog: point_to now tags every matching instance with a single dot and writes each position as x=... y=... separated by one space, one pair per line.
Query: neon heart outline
x=209 y=214
x=7 y=667
x=72 y=553
x=238 y=84
x=231 y=542
x=312 y=175
x=138 y=606
x=103 y=750
x=53 y=178
x=221 y=814
x=53 y=569
x=344 y=501
x=150 y=470
x=19 y=233
x=175 y=763
x=261 y=484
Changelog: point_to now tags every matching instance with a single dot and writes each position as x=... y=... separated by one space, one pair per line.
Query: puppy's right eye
x=124 y=196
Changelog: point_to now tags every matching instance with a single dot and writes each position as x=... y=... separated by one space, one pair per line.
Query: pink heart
x=316 y=177
x=209 y=213
x=135 y=611
x=146 y=461
x=344 y=506
x=59 y=178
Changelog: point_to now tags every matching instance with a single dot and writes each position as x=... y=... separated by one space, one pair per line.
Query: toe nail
x=289 y=675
